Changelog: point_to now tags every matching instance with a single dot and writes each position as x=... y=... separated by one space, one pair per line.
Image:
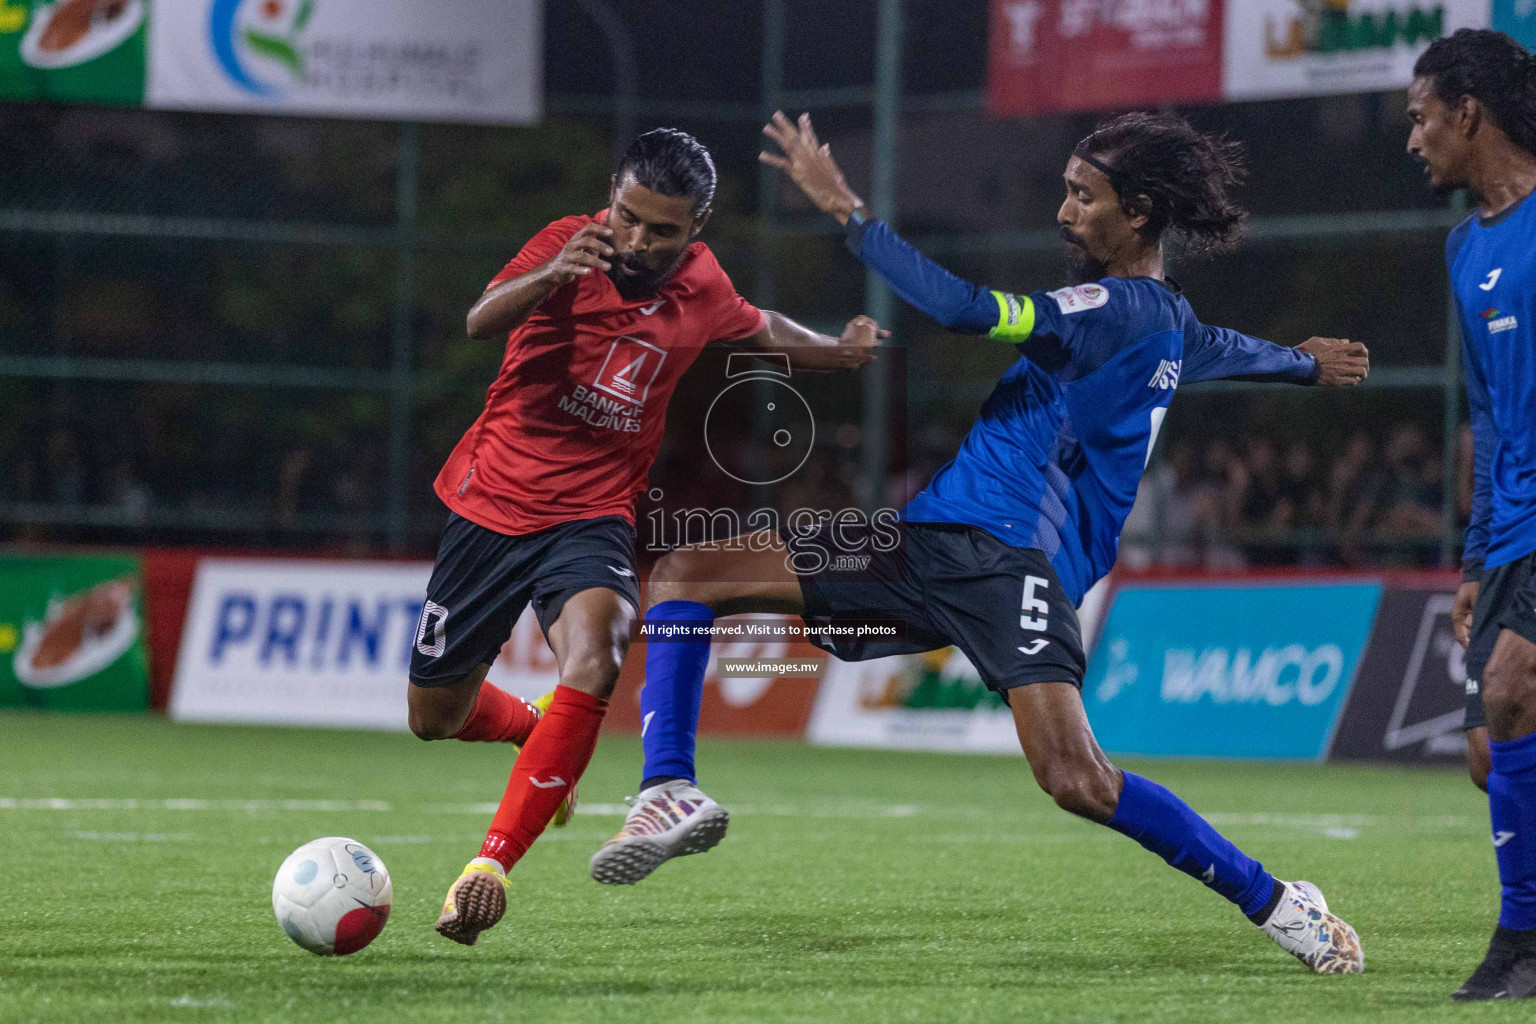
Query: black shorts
x=483 y=580
x=955 y=585
x=1505 y=600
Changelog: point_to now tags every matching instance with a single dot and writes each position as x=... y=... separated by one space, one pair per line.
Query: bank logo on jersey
x=1167 y=376
x=630 y=369
x=1498 y=322
x=1080 y=298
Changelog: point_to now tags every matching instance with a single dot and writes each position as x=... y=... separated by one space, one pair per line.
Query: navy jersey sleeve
x=1217 y=353
x=1484 y=439
x=1484 y=434
x=1069 y=332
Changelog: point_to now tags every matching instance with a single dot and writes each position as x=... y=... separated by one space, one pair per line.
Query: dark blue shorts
x=483 y=580
x=1505 y=600
x=1003 y=606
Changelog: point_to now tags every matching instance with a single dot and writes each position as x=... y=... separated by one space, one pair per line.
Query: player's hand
x=858 y=343
x=587 y=251
x=1341 y=361
x=810 y=165
x=1461 y=612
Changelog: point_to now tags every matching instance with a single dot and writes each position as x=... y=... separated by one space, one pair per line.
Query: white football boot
x=1302 y=926
x=669 y=820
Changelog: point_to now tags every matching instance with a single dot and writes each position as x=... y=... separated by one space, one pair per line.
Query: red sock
x=545 y=771
x=498 y=717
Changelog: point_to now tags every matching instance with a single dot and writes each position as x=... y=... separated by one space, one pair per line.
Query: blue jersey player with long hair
x=1473 y=106
x=1001 y=546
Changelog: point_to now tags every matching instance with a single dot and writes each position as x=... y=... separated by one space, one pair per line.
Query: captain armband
x=1015 y=317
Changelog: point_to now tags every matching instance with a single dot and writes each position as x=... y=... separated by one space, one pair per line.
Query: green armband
x=1015 y=317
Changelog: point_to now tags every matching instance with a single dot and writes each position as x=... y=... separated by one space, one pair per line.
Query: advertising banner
x=1518 y=18
x=72 y=634
x=461 y=60
x=1276 y=48
x=322 y=643
x=1046 y=55
x=1245 y=671
x=299 y=643
x=73 y=50
x=1409 y=700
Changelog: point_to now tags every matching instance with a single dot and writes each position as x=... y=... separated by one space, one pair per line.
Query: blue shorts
x=1003 y=606
x=483 y=580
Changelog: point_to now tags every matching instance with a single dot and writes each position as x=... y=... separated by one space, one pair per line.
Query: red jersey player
x=603 y=316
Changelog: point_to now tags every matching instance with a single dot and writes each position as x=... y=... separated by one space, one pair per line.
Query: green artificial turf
x=854 y=885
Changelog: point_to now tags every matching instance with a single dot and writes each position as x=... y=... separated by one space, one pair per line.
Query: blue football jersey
x=1493 y=274
x=1054 y=459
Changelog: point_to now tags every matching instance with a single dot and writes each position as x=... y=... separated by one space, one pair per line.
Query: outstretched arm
x=1218 y=353
x=812 y=350
x=957 y=304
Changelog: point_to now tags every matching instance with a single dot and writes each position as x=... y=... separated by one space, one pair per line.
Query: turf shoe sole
x=672 y=820
x=476 y=901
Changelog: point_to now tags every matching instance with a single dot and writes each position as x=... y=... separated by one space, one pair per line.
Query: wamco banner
x=1244 y=671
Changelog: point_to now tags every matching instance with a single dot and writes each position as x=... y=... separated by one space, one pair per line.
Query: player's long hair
x=1493 y=69
x=1180 y=178
x=674 y=163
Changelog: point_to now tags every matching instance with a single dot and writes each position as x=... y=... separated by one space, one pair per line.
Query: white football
x=332 y=896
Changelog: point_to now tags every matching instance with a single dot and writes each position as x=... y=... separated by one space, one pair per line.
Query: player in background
x=1473 y=107
x=1006 y=539
x=602 y=314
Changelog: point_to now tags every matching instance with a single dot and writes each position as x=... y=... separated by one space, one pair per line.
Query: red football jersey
x=575 y=418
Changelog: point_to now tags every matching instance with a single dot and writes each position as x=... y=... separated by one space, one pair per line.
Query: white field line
x=56 y=803
x=1338 y=826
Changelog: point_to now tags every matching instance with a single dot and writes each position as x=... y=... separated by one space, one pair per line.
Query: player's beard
x=1083 y=266
x=644 y=280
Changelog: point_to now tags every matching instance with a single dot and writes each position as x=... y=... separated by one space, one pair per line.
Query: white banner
x=1277 y=48
x=318 y=643
x=458 y=60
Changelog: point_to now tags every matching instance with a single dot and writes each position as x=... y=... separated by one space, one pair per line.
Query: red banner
x=1058 y=55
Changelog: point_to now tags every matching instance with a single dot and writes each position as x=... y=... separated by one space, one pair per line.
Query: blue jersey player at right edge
x=1473 y=107
x=1005 y=540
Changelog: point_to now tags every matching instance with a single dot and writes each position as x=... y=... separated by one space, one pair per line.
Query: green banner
x=73 y=50
x=72 y=633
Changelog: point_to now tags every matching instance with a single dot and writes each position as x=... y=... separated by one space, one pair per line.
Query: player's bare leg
x=589 y=639
x=1068 y=764
x=672 y=817
x=1478 y=764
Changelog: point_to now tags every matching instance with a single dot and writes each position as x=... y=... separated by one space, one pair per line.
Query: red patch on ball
x=359 y=927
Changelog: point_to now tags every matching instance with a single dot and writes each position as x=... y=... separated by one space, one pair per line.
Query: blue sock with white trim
x=1170 y=828
x=1512 y=811
x=673 y=691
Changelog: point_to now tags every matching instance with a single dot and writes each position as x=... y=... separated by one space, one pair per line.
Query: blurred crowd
x=1271 y=501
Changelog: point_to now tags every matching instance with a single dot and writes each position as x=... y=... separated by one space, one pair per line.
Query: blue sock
x=673 y=691
x=1166 y=825
x=1512 y=808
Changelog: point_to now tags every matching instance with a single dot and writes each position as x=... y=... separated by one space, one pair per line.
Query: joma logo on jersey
x=1167 y=376
x=630 y=369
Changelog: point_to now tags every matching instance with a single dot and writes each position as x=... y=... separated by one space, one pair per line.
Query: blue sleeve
x=1057 y=330
x=1216 y=353
x=1484 y=434
x=1484 y=439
